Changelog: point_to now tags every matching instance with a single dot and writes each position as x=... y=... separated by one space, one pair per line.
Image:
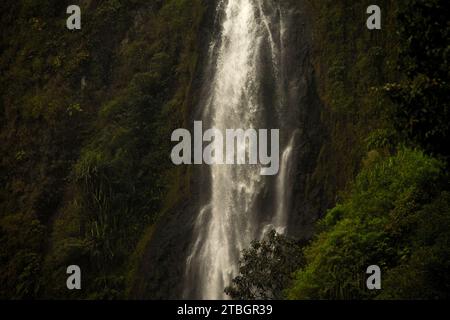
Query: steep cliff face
x=346 y=62
x=86 y=121
x=307 y=200
x=332 y=66
x=164 y=271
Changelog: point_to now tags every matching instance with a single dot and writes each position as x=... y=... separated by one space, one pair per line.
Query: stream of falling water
x=229 y=222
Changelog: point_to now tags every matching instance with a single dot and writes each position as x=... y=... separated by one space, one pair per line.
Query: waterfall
x=283 y=189
x=244 y=58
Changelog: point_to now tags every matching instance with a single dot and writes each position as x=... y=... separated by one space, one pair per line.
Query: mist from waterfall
x=250 y=38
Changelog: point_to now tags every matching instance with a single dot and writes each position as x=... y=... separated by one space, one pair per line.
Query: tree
x=266 y=268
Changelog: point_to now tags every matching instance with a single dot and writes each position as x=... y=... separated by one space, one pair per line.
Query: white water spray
x=229 y=222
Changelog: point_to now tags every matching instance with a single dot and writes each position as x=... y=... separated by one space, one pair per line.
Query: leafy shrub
x=266 y=268
x=385 y=221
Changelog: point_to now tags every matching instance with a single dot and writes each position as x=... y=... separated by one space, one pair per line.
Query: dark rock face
x=163 y=271
x=308 y=202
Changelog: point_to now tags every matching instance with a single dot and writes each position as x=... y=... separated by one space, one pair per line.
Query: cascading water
x=284 y=189
x=246 y=91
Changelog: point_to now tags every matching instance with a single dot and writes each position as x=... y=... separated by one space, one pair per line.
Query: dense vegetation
x=386 y=96
x=85 y=118
x=396 y=217
x=397 y=212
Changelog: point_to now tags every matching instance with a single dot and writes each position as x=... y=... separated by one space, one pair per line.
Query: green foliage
x=122 y=177
x=351 y=64
x=21 y=237
x=266 y=268
x=421 y=99
x=386 y=220
x=425 y=274
x=119 y=173
x=85 y=121
x=86 y=118
x=396 y=213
